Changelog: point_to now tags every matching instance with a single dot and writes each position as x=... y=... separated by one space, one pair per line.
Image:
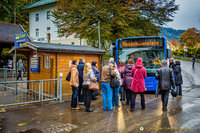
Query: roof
x=39 y=3
x=7 y=32
x=64 y=48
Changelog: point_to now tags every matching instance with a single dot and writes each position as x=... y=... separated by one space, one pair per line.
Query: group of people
x=127 y=79
x=82 y=75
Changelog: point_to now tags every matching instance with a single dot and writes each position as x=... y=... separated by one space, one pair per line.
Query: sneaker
x=88 y=110
x=81 y=103
x=75 y=108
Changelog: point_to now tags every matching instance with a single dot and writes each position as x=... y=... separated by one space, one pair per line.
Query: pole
x=99 y=33
x=16 y=69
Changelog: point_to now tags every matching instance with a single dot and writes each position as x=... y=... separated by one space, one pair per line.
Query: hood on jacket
x=138 y=63
x=80 y=62
x=72 y=66
x=177 y=62
x=129 y=66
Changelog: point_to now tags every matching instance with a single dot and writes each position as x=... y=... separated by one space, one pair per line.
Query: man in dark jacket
x=193 y=60
x=166 y=81
x=178 y=77
x=80 y=68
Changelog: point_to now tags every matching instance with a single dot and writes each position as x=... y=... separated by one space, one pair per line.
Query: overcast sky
x=187 y=16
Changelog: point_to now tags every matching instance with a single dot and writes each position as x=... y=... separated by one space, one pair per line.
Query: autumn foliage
x=118 y=18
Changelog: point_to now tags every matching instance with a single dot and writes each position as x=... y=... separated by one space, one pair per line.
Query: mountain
x=171 y=34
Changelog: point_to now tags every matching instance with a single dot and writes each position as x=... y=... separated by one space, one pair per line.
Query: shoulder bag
x=114 y=83
x=68 y=76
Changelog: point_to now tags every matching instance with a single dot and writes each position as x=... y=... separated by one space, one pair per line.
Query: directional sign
x=21 y=40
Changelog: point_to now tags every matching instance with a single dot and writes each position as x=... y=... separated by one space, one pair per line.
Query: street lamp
x=99 y=33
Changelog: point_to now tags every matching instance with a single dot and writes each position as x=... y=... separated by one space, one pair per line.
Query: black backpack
x=68 y=76
x=114 y=83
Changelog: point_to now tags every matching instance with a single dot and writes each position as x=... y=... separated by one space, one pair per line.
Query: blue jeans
x=116 y=96
x=107 y=96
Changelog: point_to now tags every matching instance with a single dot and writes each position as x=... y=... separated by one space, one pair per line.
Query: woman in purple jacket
x=97 y=75
x=126 y=74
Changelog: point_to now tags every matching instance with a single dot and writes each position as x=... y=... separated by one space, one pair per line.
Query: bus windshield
x=151 y=57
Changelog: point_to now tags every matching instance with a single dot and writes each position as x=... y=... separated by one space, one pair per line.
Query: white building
x=41 y=26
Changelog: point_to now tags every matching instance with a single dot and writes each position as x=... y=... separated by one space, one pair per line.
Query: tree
x=8 y=8
x=118 y=18
x=190 y=37
x=174 y=42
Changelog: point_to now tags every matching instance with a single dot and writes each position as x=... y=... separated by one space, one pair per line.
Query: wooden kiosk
x=47 y=60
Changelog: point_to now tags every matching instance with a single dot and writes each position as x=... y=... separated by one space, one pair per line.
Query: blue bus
x=151 y=49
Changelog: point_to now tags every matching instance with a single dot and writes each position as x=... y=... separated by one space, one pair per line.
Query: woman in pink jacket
x=138 y=85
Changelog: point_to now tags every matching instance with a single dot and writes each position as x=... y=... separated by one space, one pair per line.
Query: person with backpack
x=20 y=69
x=117 y=88
x=138 y=85
x=178 y=77
x=107 y=73
x=165 y=79
x=74 y=82
x=127 y=79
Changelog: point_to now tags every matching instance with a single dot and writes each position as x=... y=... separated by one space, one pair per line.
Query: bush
x=190 y=52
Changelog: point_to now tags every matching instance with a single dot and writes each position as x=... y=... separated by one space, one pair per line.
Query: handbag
x=93 y=86
x=68 y=76
x=173 y=92
x=114 y=83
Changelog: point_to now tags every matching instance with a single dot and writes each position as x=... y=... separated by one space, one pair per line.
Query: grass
x=185 y=60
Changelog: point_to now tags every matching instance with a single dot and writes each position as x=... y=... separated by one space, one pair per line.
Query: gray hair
x=111 y=60
x=81 y=59
x=164 y=62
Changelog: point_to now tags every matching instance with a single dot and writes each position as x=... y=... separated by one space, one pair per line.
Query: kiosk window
x=46 y=62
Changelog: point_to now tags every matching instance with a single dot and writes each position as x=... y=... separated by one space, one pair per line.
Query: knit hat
x=139 y=60
x=111 y=59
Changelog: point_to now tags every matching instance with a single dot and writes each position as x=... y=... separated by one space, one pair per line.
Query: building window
x=37 y=17
x=48 y=15
x=48 y=28
x=47 y=62
x=72 y=43
x=36 y=32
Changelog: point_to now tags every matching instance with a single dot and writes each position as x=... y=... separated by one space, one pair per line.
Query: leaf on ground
x=21 y=124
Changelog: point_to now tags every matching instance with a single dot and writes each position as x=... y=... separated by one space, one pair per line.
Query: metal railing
x=23 y=92
x=7 y=74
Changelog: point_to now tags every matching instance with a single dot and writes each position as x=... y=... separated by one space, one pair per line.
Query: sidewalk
x=55 y=117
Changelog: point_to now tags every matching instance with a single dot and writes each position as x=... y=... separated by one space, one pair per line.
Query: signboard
x=185 y=50
x=21 y=40
x=185 y=47
x=141 y=42
x=35 y=63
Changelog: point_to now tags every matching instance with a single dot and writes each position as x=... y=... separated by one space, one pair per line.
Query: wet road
x=182 y=116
